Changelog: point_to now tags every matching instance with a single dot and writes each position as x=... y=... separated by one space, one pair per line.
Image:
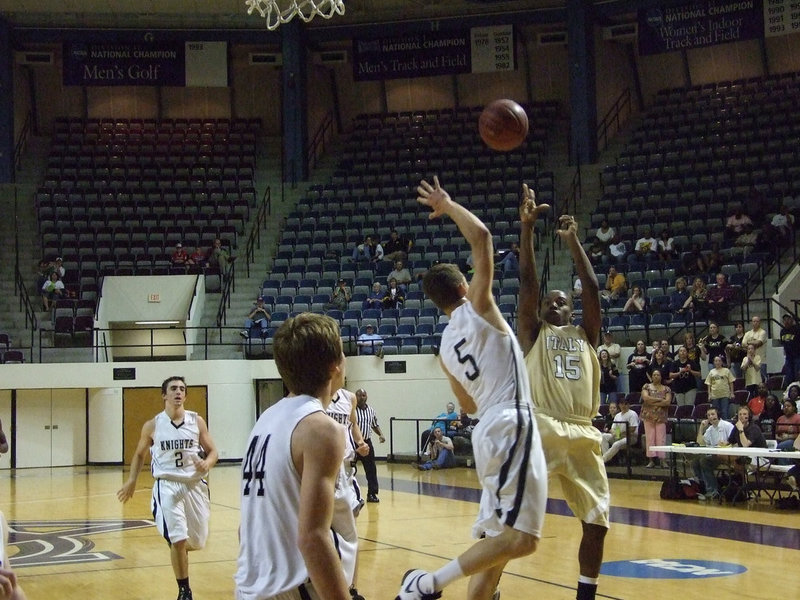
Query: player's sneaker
x=184 y=594
x=417 y=585
x=355 y=595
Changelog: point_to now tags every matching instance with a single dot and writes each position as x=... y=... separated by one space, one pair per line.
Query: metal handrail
x=19 y=147
x=612 y=118
x=316 y=146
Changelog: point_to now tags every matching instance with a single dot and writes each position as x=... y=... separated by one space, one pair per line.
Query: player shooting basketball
x=481 y=357
x=565 y=381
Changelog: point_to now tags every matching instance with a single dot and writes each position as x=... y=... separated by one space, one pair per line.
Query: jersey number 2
x=569 y=368
x=467 y=358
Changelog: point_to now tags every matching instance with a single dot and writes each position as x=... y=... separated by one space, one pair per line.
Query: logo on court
x=42 y=543
x=670 y=568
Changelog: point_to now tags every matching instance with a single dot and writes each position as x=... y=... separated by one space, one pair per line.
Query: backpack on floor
x=675 y=488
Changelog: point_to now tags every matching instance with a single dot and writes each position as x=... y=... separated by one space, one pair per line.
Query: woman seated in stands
x=52 y=290
x=635 y=303
x=666 y=246
x=715 y=260
x=696 y=302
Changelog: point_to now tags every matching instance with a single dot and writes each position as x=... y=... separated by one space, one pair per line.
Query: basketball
x=503 y=125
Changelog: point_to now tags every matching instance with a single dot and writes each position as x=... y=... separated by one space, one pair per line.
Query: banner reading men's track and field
x=478 y=50
x=189 y=64
x=699 y=24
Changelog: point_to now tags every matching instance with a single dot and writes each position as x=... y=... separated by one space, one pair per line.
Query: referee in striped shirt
x=368 y=422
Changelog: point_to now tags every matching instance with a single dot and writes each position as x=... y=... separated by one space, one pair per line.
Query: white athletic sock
x=447 y=575
x=589 y=580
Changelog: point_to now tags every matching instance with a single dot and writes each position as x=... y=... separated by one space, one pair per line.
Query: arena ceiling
x=232 y=14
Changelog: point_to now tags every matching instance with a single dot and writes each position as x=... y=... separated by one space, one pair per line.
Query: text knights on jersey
x=177 y=444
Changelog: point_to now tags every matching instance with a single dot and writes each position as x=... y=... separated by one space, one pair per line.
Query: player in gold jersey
x=562 y=362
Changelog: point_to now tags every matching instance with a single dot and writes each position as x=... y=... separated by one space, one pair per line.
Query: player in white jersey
x=481 y=357
x=342 y=409
x=565 y=378
x=182 y=453
x=290 y=545
x=10 y=589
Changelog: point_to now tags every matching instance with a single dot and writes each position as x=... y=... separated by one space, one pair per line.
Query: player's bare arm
x=528 y=320
x=479 y=239
x=208 y=445
x=592 y=316
x=145 y=441
x=317 y=448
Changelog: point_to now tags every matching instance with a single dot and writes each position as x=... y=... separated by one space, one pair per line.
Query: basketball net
x=273 y=12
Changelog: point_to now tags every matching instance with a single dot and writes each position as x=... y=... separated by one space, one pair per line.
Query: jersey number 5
x=569 y=366
x=467 y=358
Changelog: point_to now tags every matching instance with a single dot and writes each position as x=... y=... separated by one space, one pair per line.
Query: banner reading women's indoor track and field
x=189 y=64
x=478 y=50
x=699 y=24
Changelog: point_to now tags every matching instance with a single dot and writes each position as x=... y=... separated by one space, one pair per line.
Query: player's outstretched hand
x=567 y=227
x=434 y=197
x=529 y=211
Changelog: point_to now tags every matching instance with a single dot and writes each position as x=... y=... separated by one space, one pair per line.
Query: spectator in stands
x=735 y=350
x=787 y=426
x=656 y=398
x=624 y=431
x=370 y=343
x=43 y=273
x=660 y=362
x=683 y=376
x=198 y=257
x=790 y=340
x=597 y=254
x=697 y=302
x=638 y=363
x=714 y=259
x=608 y=377
x=605 y=234
x=375 y=298
x=666 y=246
x=713 y=345
x=440 y=452
x=340 y=297
x=751 y=367
x=783 y=224
x=257 y=320
x=720 y=387
x=713 y=432
x=179 y=257
x=756 y=403
x=510 y=260
x=52 y=290
x=445 y=420
x=737 y=223
x=664 y=346
x=617 y=250
x=401 y=275
x=58 y=267
x=747 y=240
x=719 y=298
x=758 y=337
x=636 y=302
x=397 y=247
x=393 y=297
x=616 y=285
x=746 y=433
x=368 y=251
x=678 y=298
x=219 y=256
x=646 y=249
x=694 y=262
x=610 y=346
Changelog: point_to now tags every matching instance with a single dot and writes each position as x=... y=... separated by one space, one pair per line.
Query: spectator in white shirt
x=624 y=431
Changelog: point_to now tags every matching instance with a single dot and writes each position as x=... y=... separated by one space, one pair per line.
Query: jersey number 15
x=568 y=366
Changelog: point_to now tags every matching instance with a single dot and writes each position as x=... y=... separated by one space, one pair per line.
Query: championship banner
x=781 y=17
x=478 y=50
x=179 y=64
x=700 y=24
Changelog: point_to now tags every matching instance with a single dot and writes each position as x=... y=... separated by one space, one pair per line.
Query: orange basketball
x=503 y=125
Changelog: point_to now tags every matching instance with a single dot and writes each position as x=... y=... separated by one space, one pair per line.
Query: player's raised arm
x=592 y=317
x=477 y=235
x=528 y=320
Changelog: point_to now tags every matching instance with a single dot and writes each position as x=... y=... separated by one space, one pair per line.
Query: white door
x=51 y=428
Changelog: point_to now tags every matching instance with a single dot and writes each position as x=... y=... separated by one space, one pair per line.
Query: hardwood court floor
x=76 y=541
